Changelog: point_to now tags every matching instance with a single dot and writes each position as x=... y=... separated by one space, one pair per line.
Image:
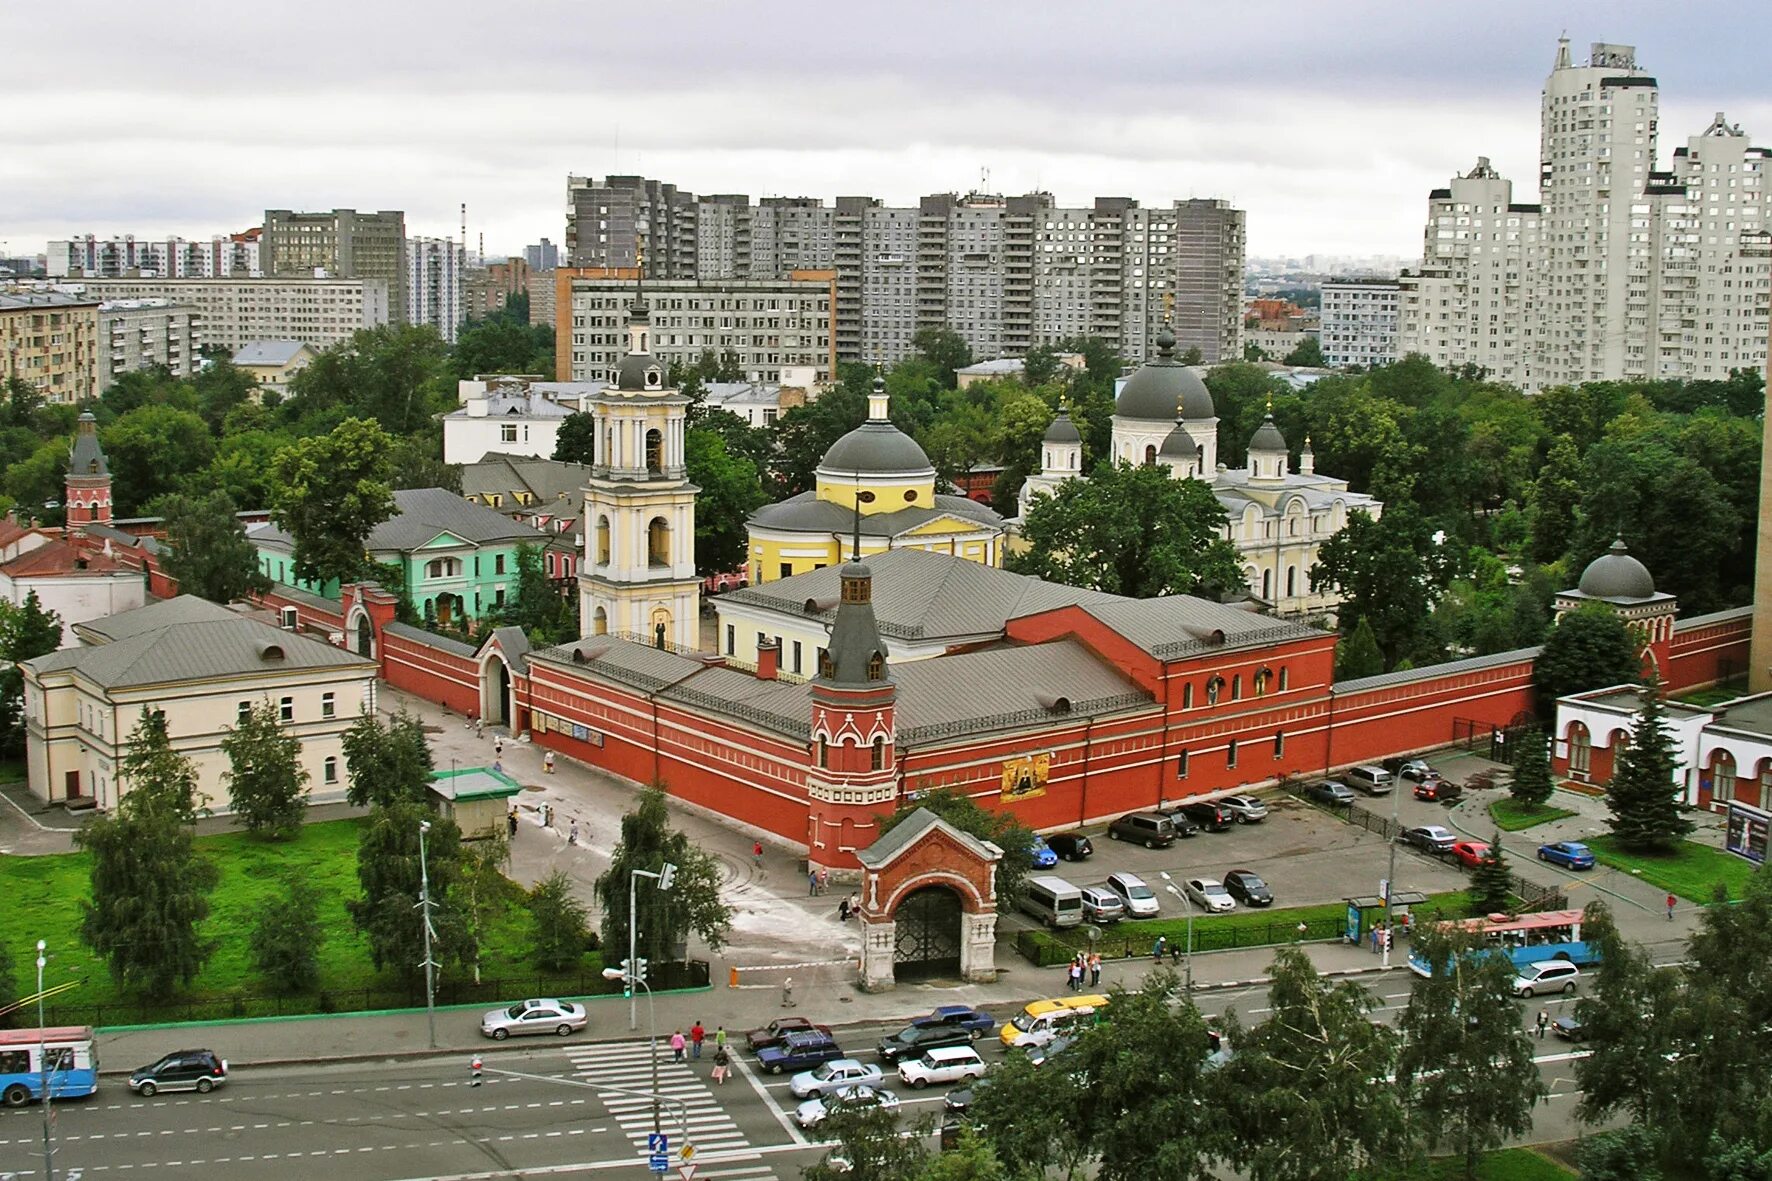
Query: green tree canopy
x=207 y=550
x=945 y=350
x=1643 y=797
x=562 y=926
x=577 y=440
x=286 y=937
x=1357 y=654
x=1390 y=571
x=390 y=873
x=152 y=451
x=267 y=784
x=331 y=492
x=731 y=490
x=969 y=816
x=666 y=917
x=386 y=763
x=1589 y=648
x=27 y=631
x=1532 y=784
x=392 y=374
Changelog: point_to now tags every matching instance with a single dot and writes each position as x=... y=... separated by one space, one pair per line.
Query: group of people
x=850 y=905
x=697 y=1037
x=1089 y=962
x=818 y=881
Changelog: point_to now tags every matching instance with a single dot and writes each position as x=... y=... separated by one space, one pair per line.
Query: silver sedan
x=842 y=1072
x=543 y=1015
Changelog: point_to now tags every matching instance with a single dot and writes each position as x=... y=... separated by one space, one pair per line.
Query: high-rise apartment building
x=342 y=243
x=50 y=340
x=1359 y=322
x=136 y=333
x=543 y=256
x=233 y=312
x=1625 y=270
x=223 y=256
x=1005 y=273
x=435 y=268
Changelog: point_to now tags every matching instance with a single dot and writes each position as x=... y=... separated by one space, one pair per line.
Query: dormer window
x=876 y=667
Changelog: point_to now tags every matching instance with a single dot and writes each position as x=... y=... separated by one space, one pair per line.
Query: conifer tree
x=1532 y=783
x=1645 y=818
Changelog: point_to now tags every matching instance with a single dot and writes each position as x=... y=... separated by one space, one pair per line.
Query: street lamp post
x=665 y=875
x=424 y=908
x=43 y=1060
x=1169 y=885
x=627 y=976
x=1390 y=878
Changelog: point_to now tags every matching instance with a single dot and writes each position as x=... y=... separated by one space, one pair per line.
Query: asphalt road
x=422 y=1121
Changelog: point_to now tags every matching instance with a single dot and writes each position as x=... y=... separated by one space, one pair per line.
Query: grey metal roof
x=514 y=643
x=923 y=595
x=547 y=480
x=1007 y=688
x=1616 y=575
x=1179 y=442
x=1723 y=616
x=876 y=447
x=527 y=403
x=780 y=706
x=1163 y=387
x=1267 y=436
x=123 y=538
x=154 y=616
x=185 y=645
x=86 y=457
x=420 y=514
x=639 y=665
x=442 y=643
x=1062 y=430
x=269 y=352
x=806 y=513
x=1428 y=671
x=1177 y=625
x=45 y=299
x=912 y=828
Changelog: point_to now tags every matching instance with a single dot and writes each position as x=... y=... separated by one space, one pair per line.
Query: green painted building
x=456 y=558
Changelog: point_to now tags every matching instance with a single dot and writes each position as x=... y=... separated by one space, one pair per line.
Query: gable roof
x=1178 y=625
x=910 y=830
x=1007 y=688
x=56 y=558
x=549 y=481
x=806 y=513
x=420 y=514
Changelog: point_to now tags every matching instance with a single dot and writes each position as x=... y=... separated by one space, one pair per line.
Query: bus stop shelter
x=1365 y=912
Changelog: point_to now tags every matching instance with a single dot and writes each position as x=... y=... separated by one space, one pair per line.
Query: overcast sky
x=1328 y=121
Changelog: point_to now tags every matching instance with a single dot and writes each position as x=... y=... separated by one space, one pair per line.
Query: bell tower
x=637 y=578
x=88 y=484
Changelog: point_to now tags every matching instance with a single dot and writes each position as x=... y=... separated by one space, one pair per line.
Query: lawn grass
x=44 y=895
x=1714 y=694
x=1692 y=871
x=1510 y=815
x=1506 y=1164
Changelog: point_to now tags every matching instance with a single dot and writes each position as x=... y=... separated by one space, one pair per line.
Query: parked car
x=1209 y=815
x=1417 y=769
x=801 y=1050
x=1568 y=854
x=812 y=1112
x=1209 y=893
x=974 y=1021
x=1041 y=1055
x=1546 y=976
x=1042 y=854
x=1336 y=795
x=1437 y=790
x=838 y=1072
x=1247 y=887
x=913 y=1040
x=773 y=1033
x=1153 y=830
x=1184 y=827
x=1431 y=837
x=1247 y=809
x=1569 y=1029
x=1102 y=905
x=944 y=1064
x=1471 y=853
x=182 y=1070
x=959 y=1100
x=535 y=1016
x=1139 y=899
x=1070 y=846
x=1373 y=780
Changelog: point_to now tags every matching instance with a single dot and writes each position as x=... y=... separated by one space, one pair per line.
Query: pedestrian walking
x=1670 y=907
x=855 y=905
x=498 y=765
x=843 y=911
x=757 y=854
x=498 y=748
x=1158 y=947
x=677 y=1044
x=811 y=882
x=1095 y=969
x=722 y=1064
x=1543 y=1023
x=511 y=823
x=547 y=762
x=824 y=879
x=479 y=727
x=1076 y=976
x=787 y=994
x=697 y=1035
x=572 y=834
x=720 y=1038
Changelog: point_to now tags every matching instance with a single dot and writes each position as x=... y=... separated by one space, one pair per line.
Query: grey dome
x=876 y=448
x=1178 y=443
x=1267 y=437
x=1617 y=575
x=634 y=371
x=1062 y=430
x=1164 y=387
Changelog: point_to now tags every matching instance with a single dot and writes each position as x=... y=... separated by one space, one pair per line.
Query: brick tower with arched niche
x=88 y=484
x=928 y=904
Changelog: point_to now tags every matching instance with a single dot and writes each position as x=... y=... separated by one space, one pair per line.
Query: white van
x=1374 y=781
x=945 y=1064
x=1053 y=901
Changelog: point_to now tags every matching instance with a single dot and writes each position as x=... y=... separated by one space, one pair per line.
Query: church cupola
x=1267 y=453
x=88 y=483
x=639 y=369
x=1061 y=450
x=1179 y=452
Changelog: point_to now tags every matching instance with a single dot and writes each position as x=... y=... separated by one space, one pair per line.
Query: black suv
x=1211 y=817
x=912 y=1040
x=1070 y=846
x=181 y=1070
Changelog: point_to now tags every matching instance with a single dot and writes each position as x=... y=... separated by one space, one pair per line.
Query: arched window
x=1722 y=777
x=655 y=451
x=600 y=623
x=602 y=541
x=879 y=754
x=1279 y=744
x=1150 y=455
x=1262 y=677
x=1214 y=687
x=1267 y=585
x=1283 y=680
x=658 y=543
x=1581 y=750
x=876 y=667
x=329 y=770
x=1291 y=581
x=824 y=753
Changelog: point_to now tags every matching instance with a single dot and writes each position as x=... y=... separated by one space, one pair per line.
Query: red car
x=1437 y=790
x=1471 y=853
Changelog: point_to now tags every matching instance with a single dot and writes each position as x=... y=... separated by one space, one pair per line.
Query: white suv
x=945 y=1064
x=1546 y=976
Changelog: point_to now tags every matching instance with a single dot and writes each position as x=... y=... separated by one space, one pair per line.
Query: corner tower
x=638 y=577
x=1624 y=584
x=88 y=484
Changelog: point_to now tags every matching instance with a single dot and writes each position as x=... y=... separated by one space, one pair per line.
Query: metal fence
x=491 y=990
x=1048 y=948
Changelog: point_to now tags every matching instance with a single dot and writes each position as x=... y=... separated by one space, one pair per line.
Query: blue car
x=1568 y=854
x=965 y=1016
x=1041 y=852
x=799 y=1051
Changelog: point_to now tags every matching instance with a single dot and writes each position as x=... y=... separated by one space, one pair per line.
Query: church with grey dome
x=1279 y=518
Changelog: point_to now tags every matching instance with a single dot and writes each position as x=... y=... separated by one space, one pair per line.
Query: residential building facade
x=342 y=242
x=1359 y=322
x=50 y=339
x=273 y=363
x=235 y=312
x=137 y=333
x=543 y=256
x=434 y=272
x=508 y=416
x=221 y=257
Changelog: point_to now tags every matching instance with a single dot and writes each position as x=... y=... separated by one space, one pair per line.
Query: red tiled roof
x=58 y=557
x=11 y=530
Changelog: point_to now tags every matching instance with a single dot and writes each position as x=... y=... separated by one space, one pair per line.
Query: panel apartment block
x=319 y=312
x=341 y=242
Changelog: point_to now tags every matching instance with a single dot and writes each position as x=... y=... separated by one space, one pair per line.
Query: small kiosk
x=474 y=797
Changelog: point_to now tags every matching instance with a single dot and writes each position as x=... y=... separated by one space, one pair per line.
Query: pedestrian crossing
x=686 y=1087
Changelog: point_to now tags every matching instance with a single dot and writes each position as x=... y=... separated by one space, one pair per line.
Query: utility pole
x=43 y=1061
x=424 y=909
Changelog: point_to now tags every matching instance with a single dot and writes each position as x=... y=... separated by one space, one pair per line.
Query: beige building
x=201 y=665
x=340 y=242
x=271 y=363
x=235 y=312
x=137 y=333
x=50 y=340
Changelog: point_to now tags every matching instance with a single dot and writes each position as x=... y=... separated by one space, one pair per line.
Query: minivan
x=1041 y=1021
x=1053 y=901
x=946 y=1064
x=1153 y=830
x=1374 y=781
x=1546 y=976
x=1102 y=905
x=1140 y=901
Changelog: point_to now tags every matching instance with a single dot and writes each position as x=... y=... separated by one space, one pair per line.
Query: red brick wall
x=431 y=673
x=1419 y=715
x=1708 y=653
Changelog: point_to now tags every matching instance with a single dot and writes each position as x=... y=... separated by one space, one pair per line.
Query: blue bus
x=73 y=1064
x=1526 y=939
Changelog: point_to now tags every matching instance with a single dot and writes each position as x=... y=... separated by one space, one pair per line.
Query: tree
x=27 y=631
x=1642 y=796
x=1532 y=785
x=731 y=490
x=1466 y=1066
x=207 y=550
x=484 y=891
x=38 y=482
x=1589 y=648
x=1133 y=531
x=1390 y=571
x=1623 y=1154
x=393 y=374
x=971 y=1158
x=1492 y=885
x=9 y=991
x=331 y=492
x=152 y=451
x=1627 y=1014
x=286 y=938
x=1307 y=352
x=803 y=435
x=1556 y=498
x=966 y=814
x=872 y=1145
x=1358 y=655
x=391 y=876
x=668 y=917
x=577 y=440
x=266 y=781
x=562 y=923
x=538 y=607
x=150 y=887
x=386 y=764
x=945 y=349
x=1309 y=1109
x=502 y=345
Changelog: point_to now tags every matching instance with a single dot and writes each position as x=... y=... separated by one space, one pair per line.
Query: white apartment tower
x=434 y=269
x=1359 y=322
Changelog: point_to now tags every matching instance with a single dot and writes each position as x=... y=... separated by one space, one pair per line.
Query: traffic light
x=640 y=968
x=666 y=875
x=474 y=1072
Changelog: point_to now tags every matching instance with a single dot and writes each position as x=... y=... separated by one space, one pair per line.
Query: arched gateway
x=928 y=904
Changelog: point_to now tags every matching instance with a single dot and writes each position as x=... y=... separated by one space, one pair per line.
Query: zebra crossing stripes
x=689 y=1103
x=742 y=1173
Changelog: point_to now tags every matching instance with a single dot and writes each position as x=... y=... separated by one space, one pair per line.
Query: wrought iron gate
x=927 y=943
